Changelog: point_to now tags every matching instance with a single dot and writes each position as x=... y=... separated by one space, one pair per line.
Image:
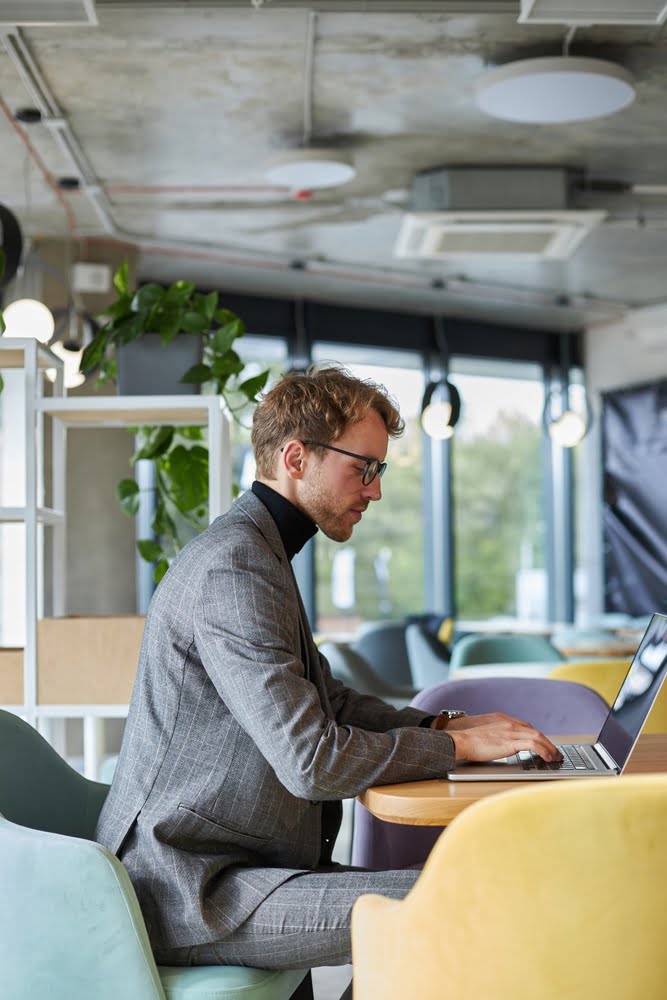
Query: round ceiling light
x=555 y=89
x=306 y=169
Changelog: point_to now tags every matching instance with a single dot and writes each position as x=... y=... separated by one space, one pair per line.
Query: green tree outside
x=498 y=514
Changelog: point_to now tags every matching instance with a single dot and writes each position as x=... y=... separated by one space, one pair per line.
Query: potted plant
x=179 y=453
x=163 y=314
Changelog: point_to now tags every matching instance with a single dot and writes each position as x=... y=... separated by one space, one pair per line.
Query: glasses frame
x=372 y=466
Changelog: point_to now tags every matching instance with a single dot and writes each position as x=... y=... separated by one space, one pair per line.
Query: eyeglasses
x=372 y=466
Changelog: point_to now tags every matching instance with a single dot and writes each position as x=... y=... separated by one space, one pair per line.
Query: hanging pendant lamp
x=565 y=423
x=441 y=403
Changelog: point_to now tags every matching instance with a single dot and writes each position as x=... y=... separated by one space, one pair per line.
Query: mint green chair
x=488 y=648
x=70 y=923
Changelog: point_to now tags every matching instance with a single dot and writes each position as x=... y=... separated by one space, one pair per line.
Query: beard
x=335 y=520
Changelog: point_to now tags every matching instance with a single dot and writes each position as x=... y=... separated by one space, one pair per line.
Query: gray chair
x=70 y=923
x=382 y=645
x=429 y=658
x=564 y=710
x=352 y=669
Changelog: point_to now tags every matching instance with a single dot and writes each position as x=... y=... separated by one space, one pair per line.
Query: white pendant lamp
x=568 y=430
x=70 y=352
x=554 y=90
x=441 y=403
x=29 y=318
x=309 y=169
x=567 y=415
x=441 y=409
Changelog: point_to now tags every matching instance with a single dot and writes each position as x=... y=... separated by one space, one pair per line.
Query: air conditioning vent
x=33 y=13
x=593 y=12
x=439 y=235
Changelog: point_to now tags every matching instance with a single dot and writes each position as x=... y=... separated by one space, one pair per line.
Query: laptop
x=611 y=751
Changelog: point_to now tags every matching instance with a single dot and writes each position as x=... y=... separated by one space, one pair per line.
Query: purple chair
x=555 y=707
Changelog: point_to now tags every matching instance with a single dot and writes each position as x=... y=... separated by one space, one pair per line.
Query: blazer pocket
x=204 y=830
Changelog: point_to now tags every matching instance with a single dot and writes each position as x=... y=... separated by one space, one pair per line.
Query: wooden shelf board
x=130 y=411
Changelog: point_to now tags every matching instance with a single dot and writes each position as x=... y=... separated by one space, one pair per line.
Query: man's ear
x=293 y=456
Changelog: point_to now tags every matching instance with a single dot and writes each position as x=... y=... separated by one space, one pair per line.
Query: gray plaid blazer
x=236 y=734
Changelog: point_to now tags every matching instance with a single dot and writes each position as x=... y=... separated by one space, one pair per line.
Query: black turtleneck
x=294 y=527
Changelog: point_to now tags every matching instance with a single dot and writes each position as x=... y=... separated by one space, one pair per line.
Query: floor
x=330 y=981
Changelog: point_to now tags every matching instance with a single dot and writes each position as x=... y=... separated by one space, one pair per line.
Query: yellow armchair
x=606 y=677
x=544 y=893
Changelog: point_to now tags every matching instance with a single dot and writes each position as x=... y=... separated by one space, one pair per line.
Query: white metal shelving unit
x=96 y=412
x=34 y=359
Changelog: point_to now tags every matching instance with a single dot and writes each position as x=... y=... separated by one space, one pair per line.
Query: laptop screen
x=638 y=691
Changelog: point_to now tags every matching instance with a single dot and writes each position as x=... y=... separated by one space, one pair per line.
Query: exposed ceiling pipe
x=308 y=73
x=57 y=123
x=196 y=189
x=41 y=166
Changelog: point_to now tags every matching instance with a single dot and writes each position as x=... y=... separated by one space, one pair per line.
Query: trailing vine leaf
x=252 y=386
x=92 y=354
x=226 y=335
x=127 y=492
x=188 y=471
x=120 y=279
x=149 y=550
x=197 y=374
x=161 y=568
x=208 y=304
x=164 y=526
x=192 y=433
x=157 y=442
x=194 y=322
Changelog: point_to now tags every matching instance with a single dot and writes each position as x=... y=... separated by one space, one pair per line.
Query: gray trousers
x=304 y=923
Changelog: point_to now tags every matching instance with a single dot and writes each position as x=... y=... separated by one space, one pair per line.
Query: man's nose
x=374 y=490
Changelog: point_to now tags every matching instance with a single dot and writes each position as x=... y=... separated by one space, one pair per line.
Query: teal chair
x=382 y=645
x=353 y=670
x=70 y=923
x=429 y=658
x=487 y=648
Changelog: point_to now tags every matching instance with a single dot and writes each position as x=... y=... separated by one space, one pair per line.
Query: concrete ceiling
x=178 y=107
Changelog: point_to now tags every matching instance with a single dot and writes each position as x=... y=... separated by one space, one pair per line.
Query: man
x=239 y=744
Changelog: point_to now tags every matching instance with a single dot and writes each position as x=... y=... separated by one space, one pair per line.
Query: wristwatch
x=453 y=713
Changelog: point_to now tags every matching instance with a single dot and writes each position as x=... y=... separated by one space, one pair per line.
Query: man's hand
x=487 y=737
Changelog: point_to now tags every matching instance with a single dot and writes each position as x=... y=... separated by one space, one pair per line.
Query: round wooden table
x=436 y=803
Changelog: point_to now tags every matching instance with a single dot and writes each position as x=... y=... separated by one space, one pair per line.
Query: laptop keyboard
x=573 y=760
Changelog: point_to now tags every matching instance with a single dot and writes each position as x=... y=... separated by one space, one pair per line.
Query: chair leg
x=304 y=990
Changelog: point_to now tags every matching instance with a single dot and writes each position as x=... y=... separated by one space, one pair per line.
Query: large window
x=497 y=493
x=379 y=573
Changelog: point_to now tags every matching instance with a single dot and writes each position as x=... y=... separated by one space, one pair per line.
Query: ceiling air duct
x=593 y=12
x=35 y=13
x=482 y=211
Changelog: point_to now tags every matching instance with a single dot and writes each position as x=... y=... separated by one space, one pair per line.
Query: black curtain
x=634 y=422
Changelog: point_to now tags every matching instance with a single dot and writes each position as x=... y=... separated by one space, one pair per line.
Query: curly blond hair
x=317 y=405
